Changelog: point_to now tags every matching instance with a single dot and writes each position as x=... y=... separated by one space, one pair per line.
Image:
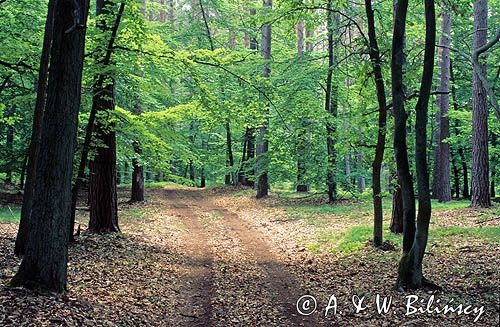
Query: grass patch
x=133 y=214
x=10 y=215
x=489 y=233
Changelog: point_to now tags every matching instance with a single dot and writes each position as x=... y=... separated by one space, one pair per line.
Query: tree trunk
x=301 y=143
x=460 y=150
x=400 y=144
x=44 y=265
x=137 y=190
x=480 y=195
x=494 y=162
x=230 y=158
x=397 y=212
x=98 y=85
x=137 y=193
x=443 y=182
x=204 y=147
x=331 y=107
x=262 y=140
x=415 y=241
x=456 y=177
x=382 y=129
x=102 y=193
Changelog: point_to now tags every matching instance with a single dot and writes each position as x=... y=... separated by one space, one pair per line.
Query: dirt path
x=196 y=311
x=232 y=266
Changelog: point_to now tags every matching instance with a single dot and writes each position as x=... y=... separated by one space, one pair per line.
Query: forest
x=249 y=163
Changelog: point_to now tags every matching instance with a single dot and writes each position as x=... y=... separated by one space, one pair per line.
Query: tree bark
x=397 y=211
x=400 y=144
x=98 y=84
x=410 y=267
x=480 y=195
x=262 y=140
x=301 y=143
x=382 y=129
x=331 y=107
x=443 y=183
x=44 y=265
x=102 y=193
x=230 y=159
x=137 y=192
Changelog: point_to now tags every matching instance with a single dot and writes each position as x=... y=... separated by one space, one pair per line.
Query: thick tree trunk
x=410 y=267
x=262 y=140
x=137 y=192
x=480 y=195
x=443 y=175
x=98 y=85
x=46 y=254
x=331 y=107
x=102 y=192
x=382 y=129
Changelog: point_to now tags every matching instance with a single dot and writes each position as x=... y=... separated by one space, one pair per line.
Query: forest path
x=234 y=278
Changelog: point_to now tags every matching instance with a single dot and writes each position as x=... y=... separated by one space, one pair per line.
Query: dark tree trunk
x=400 y=117
x=262 y=140
x=480 y=195
x=382 y=130
x=443 y=174
x=230 y=158
x=44 y=265
x=137 y=193
x=98 y=85
x=494 y=162
x=301 y=158
x=137 y=189
x=241 y=171
x=397 y=211
x=397 y=218
x=410 y=267
x=204 y=147
x=331 y=107
x=456 y=177
x=301 y=144
x=102 y=192
x=246 y=171
x=192 y=175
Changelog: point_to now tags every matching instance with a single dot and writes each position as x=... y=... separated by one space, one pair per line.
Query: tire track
x=198 y=286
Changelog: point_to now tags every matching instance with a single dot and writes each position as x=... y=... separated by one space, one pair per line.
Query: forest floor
x=218 y=257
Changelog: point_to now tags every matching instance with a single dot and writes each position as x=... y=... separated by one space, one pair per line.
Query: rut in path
x=190 y=204
x=196 y=312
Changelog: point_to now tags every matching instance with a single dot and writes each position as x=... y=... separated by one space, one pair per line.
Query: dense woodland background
x=346 y=99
